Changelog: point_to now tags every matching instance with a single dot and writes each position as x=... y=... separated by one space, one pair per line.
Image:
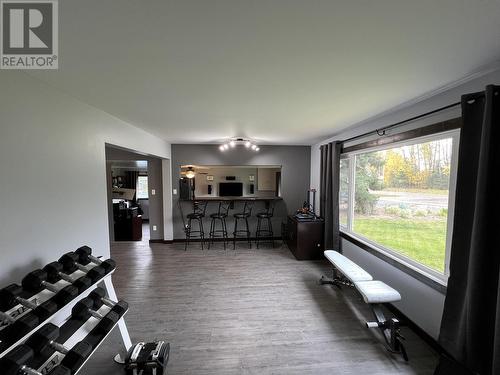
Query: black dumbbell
x=55 y=272
x=14 y=363
x=18 y=329
x=84 y=309
x=106 y=325
x=10 y=297
x=98 y=296
x=85 y=257
x=45 y=338
x=71 y=264
x=87 y=307
x=35 y=282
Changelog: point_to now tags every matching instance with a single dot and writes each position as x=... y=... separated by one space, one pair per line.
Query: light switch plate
x=154 y=227
x=153 y=192
x=174 y=191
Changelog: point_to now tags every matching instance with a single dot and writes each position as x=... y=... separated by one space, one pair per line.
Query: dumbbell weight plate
x=15 y=359
x=65 y=295
x=39 y=340
x=18 y=329
x=107 y=323
x=76 y=356
x=60 y=370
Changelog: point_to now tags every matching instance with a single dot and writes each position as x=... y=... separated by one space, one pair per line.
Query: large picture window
x=399 y=198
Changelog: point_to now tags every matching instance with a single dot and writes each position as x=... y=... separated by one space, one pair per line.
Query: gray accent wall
x=295 y=177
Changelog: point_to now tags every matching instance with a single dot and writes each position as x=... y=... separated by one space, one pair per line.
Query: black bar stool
x=199 y=209
x=219 y=216
x=266 y=231
x=247 y=212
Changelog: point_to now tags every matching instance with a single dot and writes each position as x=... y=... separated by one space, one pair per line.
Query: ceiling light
x=234 y=142
x=190 y=172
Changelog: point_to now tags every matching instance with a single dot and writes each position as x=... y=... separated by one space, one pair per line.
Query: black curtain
x=329 y=193
x=470 y=328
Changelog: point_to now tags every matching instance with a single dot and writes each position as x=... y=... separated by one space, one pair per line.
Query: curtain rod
x=381 y=132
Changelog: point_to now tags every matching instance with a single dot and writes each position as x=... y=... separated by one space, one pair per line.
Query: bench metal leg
x=390 y=329
x=336 y=280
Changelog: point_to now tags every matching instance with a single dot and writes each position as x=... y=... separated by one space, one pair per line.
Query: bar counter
x=233 y=199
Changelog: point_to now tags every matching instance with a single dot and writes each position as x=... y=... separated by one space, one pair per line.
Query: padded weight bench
x=375 y=293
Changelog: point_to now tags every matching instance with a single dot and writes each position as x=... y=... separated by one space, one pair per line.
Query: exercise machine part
x=147 y=358
x=374 y=292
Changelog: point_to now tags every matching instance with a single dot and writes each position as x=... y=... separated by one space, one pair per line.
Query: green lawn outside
x=419 y=239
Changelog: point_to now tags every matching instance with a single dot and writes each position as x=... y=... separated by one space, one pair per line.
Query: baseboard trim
x=161 y=241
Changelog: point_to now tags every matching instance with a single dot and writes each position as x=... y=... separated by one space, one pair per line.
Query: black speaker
x=230 y=178
x=209 y=189
x=252 y=189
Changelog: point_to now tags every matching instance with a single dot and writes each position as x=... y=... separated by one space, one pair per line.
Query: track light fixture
x=233 y=142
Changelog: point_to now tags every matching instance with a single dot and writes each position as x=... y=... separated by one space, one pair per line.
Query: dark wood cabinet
x=305 y=238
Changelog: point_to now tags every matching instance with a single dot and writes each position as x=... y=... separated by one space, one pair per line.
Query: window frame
x=137 y=183
x=405 y=261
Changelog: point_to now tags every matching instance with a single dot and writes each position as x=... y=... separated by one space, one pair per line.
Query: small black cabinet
x=305 y=238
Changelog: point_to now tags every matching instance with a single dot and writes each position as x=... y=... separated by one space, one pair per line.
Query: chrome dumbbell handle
x=50 y=287
x=373 y=324
x=66 y=277
x=29 y=371
x=108 y=302
x=96 y=315
x=59 y=347
x=6 y=317
x=26 y=303
x=95 y=260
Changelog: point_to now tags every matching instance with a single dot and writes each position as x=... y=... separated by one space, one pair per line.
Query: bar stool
x=219 y=216
x=199 y=209
x=265 y=217
x=247 y=212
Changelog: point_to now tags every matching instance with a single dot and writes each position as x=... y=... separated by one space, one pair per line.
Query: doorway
x=135 y=201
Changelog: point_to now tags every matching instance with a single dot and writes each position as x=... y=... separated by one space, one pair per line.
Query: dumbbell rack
x=64 y=314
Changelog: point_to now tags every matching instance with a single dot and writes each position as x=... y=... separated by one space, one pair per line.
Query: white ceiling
x=278 y=71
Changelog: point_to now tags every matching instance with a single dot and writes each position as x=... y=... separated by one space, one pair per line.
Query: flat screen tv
x=230 y=189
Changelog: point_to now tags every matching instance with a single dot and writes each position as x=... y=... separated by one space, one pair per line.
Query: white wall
x=420 y=303
x=53 y=173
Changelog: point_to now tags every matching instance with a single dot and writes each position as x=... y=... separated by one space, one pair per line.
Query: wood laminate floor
x=247 y=311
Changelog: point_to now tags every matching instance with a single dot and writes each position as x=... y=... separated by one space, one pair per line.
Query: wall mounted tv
x=230 y=189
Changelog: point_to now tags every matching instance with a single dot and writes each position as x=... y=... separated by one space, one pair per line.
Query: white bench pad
x=377 y=292
x=350 y=269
